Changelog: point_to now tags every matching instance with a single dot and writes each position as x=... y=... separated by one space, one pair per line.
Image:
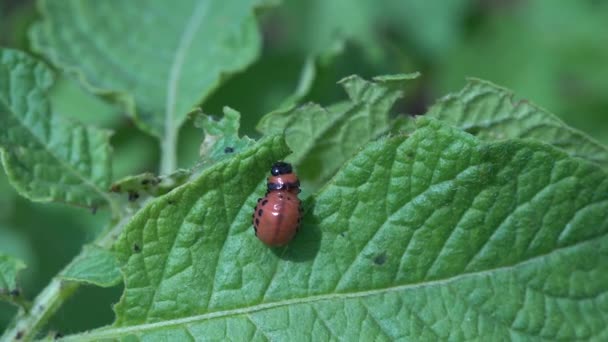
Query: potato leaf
x=45 y=157
x=438 y=235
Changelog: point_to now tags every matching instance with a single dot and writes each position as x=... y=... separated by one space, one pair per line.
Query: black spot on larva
x=299 y=220
x=264 y=202
x=257 y=222
x=260 y=211
x=280 y=196
x=136 y=248
x=228 y=149
x=288 y=198
x=380 y=259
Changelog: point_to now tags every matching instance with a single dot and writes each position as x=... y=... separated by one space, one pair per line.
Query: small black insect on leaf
x=228 y=150
x=136 y=248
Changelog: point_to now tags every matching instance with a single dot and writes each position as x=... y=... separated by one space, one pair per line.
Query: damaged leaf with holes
x=323 y=138
x=457 y=238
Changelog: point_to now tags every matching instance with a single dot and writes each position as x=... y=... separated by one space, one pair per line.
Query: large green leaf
x=47 y=158
x=323 y=138
x=491 y=113
x=159 y=57
x=428 y=237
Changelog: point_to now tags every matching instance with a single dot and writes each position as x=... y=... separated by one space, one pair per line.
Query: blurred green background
x=552 y=53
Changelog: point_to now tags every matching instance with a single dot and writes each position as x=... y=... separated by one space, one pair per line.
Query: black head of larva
x=280 y=168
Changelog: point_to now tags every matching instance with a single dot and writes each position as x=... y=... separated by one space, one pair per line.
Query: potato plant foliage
x=486 y=218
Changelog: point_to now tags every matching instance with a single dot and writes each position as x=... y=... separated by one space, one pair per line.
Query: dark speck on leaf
x=94 y=210
x=145 y=182
x=473 y=130
x=136 y=248
x=228 y=150
x=15 y=292
x=171 y=202
x=133 y=196
x=58 y=335
x=19 y=335
x=380 y=259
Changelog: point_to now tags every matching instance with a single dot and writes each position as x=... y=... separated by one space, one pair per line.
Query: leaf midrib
x=175 y=71
x=111 y=332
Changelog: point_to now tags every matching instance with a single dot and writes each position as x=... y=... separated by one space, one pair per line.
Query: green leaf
x=170 y=60
x=434 y=236
x=221 y=136
x=562 y=66
x=220 y=201
x=45 y=157
x=491 y=113
x=9 y=267
x=72 y=101
x=323 y=138
x=95 y=265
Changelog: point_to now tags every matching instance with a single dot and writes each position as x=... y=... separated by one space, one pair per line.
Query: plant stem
x=168 y=149
x=27 y=323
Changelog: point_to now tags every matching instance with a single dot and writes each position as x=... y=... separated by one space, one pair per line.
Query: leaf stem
x=168 y=149
x=27 y=323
